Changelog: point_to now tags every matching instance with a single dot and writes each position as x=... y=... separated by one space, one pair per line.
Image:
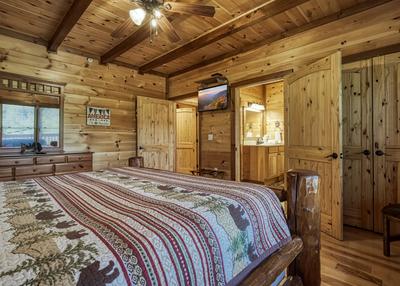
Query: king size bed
x=136 y=226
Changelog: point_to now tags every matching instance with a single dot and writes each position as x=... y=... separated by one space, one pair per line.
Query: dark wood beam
x=133 y=67
x=24 y=37
x=249 y=81
x=372 y=53
x=262 y=79
x=136 y=38
x=133 y=40
x=69 y=21
x=369 y=4
x=244 y=21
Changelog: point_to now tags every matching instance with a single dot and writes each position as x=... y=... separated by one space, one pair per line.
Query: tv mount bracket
x=216 y=79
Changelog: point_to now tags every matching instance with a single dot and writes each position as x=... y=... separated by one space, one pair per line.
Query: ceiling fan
x=155 y=12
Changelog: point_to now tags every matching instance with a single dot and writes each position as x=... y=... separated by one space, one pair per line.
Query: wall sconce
x=255 y=107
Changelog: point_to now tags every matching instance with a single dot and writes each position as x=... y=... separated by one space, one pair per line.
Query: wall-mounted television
x=213 y=98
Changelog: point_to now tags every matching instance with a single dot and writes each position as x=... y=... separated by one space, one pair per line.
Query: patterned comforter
x=129 y=226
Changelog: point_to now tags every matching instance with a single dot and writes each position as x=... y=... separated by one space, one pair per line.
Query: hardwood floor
x=358 y=260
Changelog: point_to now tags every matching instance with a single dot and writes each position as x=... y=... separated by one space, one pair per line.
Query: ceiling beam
x=24 y=37
x=372 y=53
x=250 y=18
x=136 y=38
x=69 y=21
x=133 y=40
x=369 y=4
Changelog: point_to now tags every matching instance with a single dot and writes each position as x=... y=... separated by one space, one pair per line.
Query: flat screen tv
x=213 y=98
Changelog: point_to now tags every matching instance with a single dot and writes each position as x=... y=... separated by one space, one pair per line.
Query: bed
x=137 y=226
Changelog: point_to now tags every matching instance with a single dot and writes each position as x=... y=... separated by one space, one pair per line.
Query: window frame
x=36 y=126
x=26 y=87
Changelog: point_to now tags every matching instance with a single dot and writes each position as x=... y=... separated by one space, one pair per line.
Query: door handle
x=334 y=156
x=366 y=152
x=141 y=148
x=380 y=153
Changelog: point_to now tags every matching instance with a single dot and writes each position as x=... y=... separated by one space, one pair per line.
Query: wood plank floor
x=358 y=260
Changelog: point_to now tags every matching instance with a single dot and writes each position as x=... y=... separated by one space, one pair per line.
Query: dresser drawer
x=34 y=170
x=5 y=172
x=73 y=167
x=273 y=149
x=16 y=162
x=79 y=158
x=50 y=160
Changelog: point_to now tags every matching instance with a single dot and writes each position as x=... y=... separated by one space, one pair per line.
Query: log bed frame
x=301 y=256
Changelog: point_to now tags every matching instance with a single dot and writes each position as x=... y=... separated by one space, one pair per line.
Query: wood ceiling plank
x=250 y=18
x=70 y=19
x=369 y=4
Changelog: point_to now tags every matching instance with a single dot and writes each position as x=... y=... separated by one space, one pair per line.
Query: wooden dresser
x=25 y=166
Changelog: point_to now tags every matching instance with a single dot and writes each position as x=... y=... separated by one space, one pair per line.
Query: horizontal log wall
x=373 y=29
x=91 y=84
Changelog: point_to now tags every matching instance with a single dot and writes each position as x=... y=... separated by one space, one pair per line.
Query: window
x=18 y=125
x=49 y=127
x=24 y=124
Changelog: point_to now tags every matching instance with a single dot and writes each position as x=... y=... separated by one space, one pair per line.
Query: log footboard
x=301 y=257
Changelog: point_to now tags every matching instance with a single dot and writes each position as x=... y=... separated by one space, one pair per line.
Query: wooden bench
x=391 y=213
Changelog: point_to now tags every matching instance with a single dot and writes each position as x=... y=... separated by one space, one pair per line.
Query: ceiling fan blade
x=186 y=8
x=123 y=29
x=167 y=27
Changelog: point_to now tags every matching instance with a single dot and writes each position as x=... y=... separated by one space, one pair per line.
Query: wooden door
x=186 y=137
x=386 y=86
x=357 y=145
x=313 y=133
x=156 y=133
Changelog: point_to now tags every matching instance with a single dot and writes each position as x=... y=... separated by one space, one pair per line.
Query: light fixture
x=154 y=23
x=255 y=107
x=157 y=14
x=137 y=15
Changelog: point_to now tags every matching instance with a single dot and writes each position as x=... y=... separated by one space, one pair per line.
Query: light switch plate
x=210 y=137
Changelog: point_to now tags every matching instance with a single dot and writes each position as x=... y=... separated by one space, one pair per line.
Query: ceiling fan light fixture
x=154 y=23
x=157 y=14
x=137 y=15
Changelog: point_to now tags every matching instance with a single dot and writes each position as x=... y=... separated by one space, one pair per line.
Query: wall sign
x=96 y=116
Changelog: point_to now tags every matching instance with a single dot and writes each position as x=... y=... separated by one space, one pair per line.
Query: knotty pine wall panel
x=217 y=153
x=87 y=84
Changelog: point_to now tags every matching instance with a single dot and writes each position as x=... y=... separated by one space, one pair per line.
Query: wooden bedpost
x=304 y=218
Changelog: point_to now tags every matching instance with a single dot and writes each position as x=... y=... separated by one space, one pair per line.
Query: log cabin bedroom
x=211 y=142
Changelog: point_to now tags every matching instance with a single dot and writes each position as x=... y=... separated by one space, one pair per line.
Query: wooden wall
x=365 y=31
x=91 y=84
x=254 y=94
x=274 y=103
x=218 y=152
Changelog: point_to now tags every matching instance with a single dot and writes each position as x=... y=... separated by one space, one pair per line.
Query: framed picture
x=96 y=116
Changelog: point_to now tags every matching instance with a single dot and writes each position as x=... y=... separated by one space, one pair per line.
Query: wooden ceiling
x=98 y=28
